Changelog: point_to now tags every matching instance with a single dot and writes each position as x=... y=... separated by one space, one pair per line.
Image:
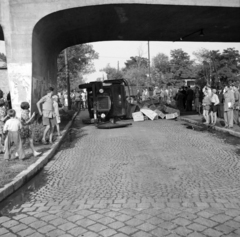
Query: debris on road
x=152 y=110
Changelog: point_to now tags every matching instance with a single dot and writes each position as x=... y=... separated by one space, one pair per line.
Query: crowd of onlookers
x=14 y=132
x=78 y=99
x=209 y=101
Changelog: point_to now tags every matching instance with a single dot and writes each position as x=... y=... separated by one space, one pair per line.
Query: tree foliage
x=209 y=66
x=181 y=65
x=112 y=73
x=219 y=68
x=80 y=62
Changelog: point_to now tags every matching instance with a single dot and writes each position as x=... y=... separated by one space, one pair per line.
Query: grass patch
x=10 y=169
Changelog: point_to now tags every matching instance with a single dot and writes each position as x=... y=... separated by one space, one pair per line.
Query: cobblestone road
x=151 y=179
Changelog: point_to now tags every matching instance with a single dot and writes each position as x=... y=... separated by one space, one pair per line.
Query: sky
x=116 y=53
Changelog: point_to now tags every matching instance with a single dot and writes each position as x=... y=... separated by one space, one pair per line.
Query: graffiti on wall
x=19 y=78
x=39 y=90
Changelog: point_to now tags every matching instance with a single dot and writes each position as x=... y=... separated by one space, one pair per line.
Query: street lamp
x=200 y=31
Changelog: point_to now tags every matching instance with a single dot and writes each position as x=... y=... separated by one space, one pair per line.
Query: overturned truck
x=107 y=102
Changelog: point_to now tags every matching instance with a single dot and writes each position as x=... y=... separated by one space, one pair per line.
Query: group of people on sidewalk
x=78 y=99
x=14 y=132
x=212 y=103
x=225 y=104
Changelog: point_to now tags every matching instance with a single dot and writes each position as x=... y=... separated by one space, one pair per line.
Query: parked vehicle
x=107 y=102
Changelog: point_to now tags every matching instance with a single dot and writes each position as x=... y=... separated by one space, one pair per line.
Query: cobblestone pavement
x=155 y=178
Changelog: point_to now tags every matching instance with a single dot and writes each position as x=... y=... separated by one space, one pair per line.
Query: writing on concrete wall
x=19 y=76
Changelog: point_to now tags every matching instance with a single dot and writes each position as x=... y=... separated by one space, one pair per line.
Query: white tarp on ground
x=137 y=116
x=149 y=113
x=160 y=113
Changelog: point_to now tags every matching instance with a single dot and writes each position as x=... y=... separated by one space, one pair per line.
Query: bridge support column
x=20 y=84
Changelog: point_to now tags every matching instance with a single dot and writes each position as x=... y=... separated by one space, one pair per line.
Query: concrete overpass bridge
x=35 y=31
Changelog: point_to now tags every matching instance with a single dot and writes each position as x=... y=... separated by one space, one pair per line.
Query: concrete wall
x=35 y=31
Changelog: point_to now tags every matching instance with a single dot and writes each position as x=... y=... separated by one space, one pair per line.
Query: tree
x=229 y=66
x=161 y=70
x=136 y=61
x=218 y=68
x=112 y=73
x=181 y=65
x=80 y=62
x=136 y=76
x=161 y=63
x=136 y=70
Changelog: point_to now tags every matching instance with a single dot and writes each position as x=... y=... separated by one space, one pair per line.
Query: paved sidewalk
x=151 y=179
x=197 y=119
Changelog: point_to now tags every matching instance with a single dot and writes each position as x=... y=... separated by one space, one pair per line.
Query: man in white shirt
x=83 y=97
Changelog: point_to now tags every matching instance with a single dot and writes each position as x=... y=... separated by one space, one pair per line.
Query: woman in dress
x=26 y=131
x=206 y=106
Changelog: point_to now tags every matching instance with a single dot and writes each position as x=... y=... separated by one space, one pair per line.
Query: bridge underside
x=32 y=49
x=139 y=22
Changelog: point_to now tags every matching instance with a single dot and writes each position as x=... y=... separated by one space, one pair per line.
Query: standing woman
x=206 y=106
x=26 y=131
x=214 y=106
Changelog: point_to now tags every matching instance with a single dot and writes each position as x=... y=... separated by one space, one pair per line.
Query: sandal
x=37 y=154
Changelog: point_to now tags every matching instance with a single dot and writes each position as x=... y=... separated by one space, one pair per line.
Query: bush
x=37 y=131
x=38 y=127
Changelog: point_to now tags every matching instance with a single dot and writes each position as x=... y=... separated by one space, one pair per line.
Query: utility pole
x=118 y=66
x=67 y=77
x=149 y=70
x=210 y=73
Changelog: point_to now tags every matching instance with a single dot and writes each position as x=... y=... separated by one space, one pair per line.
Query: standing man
x=77 y=100
x=184 y=98
x=72 y=96
x=84 y=98
x=236 y=105
x=190 y=95
x=228 y=107
x=47 y=112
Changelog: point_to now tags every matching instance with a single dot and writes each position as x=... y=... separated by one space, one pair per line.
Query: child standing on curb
x=3 y=118
x=26 y=131
x=13 y=142
x=56 y=113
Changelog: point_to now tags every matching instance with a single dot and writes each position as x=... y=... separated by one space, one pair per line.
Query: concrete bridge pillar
x=18 y=52
x=29 y=60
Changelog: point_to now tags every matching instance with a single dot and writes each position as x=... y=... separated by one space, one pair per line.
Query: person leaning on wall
x=47 y=113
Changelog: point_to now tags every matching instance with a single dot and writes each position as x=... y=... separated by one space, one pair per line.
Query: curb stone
x=232 y=132
x=28 y=173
